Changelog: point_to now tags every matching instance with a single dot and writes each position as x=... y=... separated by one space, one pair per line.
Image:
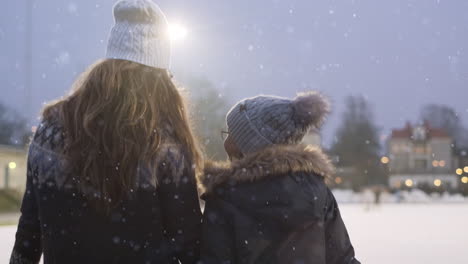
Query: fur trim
x=273 y=161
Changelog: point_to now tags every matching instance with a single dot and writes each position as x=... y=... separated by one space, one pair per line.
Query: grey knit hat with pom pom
x=262 y=121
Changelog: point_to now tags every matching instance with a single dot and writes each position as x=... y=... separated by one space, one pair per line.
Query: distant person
x=270 y=204
x=111 y=168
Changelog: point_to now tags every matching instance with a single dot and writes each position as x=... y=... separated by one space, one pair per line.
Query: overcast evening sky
x=399 y=54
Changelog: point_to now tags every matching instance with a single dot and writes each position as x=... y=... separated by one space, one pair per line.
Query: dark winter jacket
x=159 y=222
x=273 y=207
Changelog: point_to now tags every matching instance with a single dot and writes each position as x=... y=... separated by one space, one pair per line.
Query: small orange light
x=409 y=182
x=385 y=160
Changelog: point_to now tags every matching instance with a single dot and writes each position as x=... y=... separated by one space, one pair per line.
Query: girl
x=270 y=204
x=111 y=168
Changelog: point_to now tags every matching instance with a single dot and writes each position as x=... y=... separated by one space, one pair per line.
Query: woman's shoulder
x=50 y=133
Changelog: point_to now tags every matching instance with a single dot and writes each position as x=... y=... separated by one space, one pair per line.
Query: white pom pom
x=310 y=109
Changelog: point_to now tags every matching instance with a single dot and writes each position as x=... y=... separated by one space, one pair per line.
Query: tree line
x=356 y=143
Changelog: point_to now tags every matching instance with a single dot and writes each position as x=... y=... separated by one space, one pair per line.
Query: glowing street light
x=465 y=169
x=177 y=32
x=435 y=163
x=459 y=171
x=385 y=160
x=464 y=179
x=409 y=183
x=338 y=180
x=437 y=182
x=12 y=165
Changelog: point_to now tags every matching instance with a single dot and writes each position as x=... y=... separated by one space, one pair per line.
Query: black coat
x=273 y=207
x=158 y=222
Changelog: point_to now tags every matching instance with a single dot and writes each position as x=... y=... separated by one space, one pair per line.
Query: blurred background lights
x=409 y=183
x=459 y=171
x=464 y=179
x=466 y=169
x=12 y=165
x=338 y=180
x=385 y=160
x=437 y=182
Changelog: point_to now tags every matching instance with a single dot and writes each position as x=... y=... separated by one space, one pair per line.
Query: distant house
x=12 y=167
x=421 y=155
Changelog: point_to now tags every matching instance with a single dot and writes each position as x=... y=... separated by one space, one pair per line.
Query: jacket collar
x=270 y=162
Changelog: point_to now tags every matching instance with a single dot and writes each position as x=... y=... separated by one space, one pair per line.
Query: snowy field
x=408 y=233
x=389 y=234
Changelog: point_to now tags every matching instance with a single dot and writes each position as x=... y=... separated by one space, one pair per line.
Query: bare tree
x=445 y=117
x=13 y=128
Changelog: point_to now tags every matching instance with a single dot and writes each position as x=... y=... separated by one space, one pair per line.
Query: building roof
x=407 y=131
x=12 y=149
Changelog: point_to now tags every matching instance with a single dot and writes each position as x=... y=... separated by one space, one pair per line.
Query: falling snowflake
x=72 y=8
x=63 y=58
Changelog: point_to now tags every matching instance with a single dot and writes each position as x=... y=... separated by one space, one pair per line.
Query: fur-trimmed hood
x=270 y=162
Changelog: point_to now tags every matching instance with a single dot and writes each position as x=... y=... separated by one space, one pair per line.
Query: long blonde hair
x=114 y=121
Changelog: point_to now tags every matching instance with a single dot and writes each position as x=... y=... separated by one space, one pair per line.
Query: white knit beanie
x=140 y=34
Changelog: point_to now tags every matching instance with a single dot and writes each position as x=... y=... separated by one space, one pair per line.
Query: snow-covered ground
x=413 y=196
x=408 y=233
x=388 y=234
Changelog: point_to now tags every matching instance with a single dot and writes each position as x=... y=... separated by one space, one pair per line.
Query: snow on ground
x=413 y=196
x=7 y=233
x=387 y=234
x=408 y=233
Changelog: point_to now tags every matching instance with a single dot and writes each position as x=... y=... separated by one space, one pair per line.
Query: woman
x=111 y=168
x=270 y=204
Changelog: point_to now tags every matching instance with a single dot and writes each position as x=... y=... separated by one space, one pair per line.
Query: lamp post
x=7 y=176
x=28 y=57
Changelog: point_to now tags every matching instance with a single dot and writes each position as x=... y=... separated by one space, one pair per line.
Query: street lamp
x=10 y=166
x=177 y=32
